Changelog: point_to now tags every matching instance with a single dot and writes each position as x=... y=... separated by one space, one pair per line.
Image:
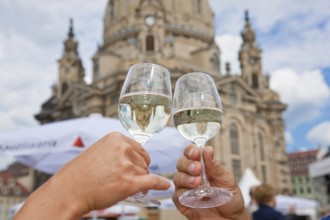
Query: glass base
x=140 y=199
x=205 y=197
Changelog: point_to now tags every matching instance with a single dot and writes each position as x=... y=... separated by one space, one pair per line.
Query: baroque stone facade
x=180 y=36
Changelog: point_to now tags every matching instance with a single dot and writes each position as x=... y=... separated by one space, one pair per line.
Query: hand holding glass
x=198 y=117
x=144 y=108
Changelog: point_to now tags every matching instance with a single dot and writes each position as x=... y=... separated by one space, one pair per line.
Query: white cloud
x=320 y=134
x=288 y=137
x=293 y=34
x=306 y=94
x=229 y=45
x=31 y=44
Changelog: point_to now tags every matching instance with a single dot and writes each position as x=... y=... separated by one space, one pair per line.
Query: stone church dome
x=173 y=16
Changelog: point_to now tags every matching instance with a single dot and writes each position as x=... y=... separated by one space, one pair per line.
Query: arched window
x=255 y=81
x=215 y=62
x=236 y=166
x=264 y=173
x=96 y=67
x=64 y=88
x=150 y=43
x=112 y=8
x=233 y=95
x=234 y=143
x=199 y=6
x=261 y=146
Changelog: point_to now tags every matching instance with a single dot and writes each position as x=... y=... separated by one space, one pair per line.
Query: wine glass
x=198 y=117
x=144 y=109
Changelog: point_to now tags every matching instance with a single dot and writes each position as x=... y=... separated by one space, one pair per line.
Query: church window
x=64 y=88
x=236 y=169
x=255 y=81
x=199 y=6
x=112 y=8
x=132 y=41
x=264 y=173
x=233 y=95
x=169 y=39
x=215 y=62
x=150 y=43
x=261 y=146
x=234 y=139
x=96 y=67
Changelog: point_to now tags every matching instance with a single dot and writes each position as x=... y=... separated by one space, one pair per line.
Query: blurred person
x=264 y=194
x=325 y=217
x=325 y=214
x=115 y=168
x=292 y=215
x=188 y=177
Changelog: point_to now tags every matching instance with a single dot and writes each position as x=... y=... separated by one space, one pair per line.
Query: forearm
x=52 y=201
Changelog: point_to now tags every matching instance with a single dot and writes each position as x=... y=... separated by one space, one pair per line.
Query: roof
x=302 y=154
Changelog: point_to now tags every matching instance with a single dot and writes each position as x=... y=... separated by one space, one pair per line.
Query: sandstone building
x=180 y=36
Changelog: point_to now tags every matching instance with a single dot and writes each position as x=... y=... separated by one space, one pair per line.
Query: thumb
x=217 y=174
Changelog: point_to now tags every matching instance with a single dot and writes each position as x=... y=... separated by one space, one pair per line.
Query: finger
x=152 y=182
x=138 y=160
x=176 y=195
x=192 y=152
x=139 y=148
x=189 y=166
x=183 y=180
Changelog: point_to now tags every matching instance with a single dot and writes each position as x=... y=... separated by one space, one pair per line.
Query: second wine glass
x=198 y=116
x=144 y=109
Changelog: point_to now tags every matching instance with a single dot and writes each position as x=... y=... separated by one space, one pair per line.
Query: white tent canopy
x=247 y=181
x=48 y=147
x=303 y=206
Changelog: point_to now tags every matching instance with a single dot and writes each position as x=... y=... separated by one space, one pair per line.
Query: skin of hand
x=188 y=177
x=107 y=172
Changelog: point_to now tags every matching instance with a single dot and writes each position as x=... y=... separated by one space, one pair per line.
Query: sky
x=293 y=35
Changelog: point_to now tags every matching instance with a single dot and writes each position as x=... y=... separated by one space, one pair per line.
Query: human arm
x=188 y=177
x=107 y=172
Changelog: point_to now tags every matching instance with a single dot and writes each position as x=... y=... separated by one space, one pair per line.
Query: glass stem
x=200 y=142
x=141 y=139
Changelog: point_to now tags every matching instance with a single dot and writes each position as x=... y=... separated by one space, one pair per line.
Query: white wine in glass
x=144 y=109
x=198 y=117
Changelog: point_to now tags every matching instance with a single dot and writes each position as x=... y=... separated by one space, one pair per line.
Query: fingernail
x=192 y=168
x=191 y=153
x=191 y=180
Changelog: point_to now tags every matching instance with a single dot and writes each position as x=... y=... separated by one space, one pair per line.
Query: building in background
x=16 y=184
x=319 y=173
x=299 y=163
x=180 y=36
x=12 y=192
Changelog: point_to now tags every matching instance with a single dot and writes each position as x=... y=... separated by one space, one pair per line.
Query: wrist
x=51 y=201
x=65 y=198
